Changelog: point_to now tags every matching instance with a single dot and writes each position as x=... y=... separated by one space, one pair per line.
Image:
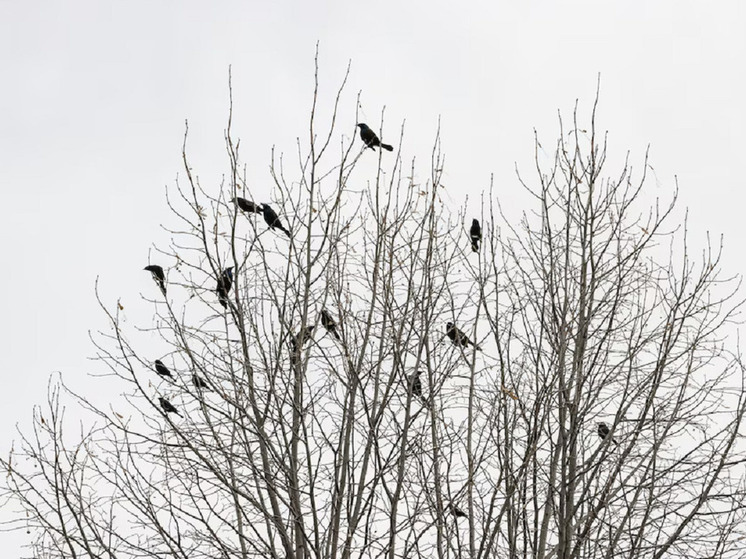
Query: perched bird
x=158 y=276
x=168 y=407
x=162 y=370
x=603 y=432
x=225 y=282
x=458 y=337
x=457 y=512
x=475 y=233
x=247 y=206
x=328 y=323
x=270 y=216
x=199 y=383
x=416 y=384
x=302 y=337
x=370 y=139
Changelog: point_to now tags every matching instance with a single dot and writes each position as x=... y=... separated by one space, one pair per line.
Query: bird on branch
x=162 y=370
x=328 y=323
x=168 y=407
x=475 y=233
x=225 y=282
x=199 y=383
x=457 y=512
x=302 y=337
x=415 y=384
x=370 y=139
x=458 y=337
x=158 y=276
x=273 y=220
x=603 y=432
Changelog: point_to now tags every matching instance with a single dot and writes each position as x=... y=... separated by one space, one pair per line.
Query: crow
x=247 y=206
x=199 y=383
x=458 y=337
x=162 y=370
x=457 y=512
x=225 y=282
x=328 y=323
x=476 y=235
x=168 y=407
x=370 y=139
x=158 y=276
x=603 y=432
x=270 y=216
x=304 y=335
x=416 y=384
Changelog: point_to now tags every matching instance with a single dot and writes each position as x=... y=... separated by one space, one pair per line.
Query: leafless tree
x=371 y=432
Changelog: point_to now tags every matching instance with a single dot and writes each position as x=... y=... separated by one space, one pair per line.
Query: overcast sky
x=94 y=95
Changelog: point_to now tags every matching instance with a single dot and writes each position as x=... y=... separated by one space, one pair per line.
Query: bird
x=162 y=370
x=603 y=432
x=199 y=383
x=270 y=216
x=247 y=205
x=225 y=282
x=304 y=335
x=328 y=323
x=416 y=384
x=457 y=512
x=476 y=235
x=370 y=139
x=168 y=407
x=158 y=276
x=458 y=337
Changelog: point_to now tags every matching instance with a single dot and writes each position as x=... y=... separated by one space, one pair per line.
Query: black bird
x=199 y=383
x=476 y=235
x=302 y=337
x=328 y=323
x=158 y=276
x=370 y=138
x=225 y=282
x=270 y=216
x=603 y=432
x=457 y=512
x=416 y=384
x=168 y=407
x=247 y=206
x=458 y=337
x=162 y=370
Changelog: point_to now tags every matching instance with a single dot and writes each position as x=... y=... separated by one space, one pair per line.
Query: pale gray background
x=93 y=98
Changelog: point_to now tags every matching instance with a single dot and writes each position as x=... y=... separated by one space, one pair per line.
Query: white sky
x=94 y=95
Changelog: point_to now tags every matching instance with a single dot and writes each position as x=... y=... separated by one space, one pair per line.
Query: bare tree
x=321 y=406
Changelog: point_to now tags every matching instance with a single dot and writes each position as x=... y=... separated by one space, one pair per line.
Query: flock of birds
x=297 y=341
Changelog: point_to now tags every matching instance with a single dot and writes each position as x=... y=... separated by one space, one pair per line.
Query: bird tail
x=387 y=147
x=286 y=231
x=336 y=335
x=475 y=246
x=163 y=287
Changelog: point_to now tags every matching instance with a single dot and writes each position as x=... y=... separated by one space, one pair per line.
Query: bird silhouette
x=457 y=512
x=199 y=383
x=225 y=282
x=168 y=407
x=328 y=323
x=162 y=370
x=158 y=276
x=458 y=337
x=247 y=205
x=370 y=139
x=302 y=337
x=603 y=432
x=415 y=384
x=475 y=233
x=272 y=219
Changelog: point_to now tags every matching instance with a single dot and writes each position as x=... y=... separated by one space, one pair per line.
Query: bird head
x=362 y=125
x=475 y=222
x=229 y=272
x=449 y=325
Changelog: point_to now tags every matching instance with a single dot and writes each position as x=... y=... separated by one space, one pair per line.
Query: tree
x=302 y=444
